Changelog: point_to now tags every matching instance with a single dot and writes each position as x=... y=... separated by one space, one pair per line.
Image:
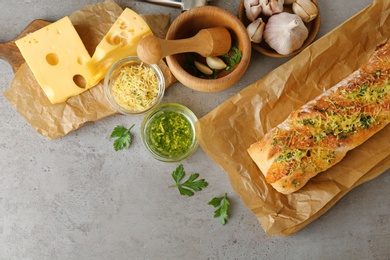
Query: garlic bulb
x=271 y=7
x=255 y=30
x=252 y=9
x=285 y=33
x=288 y=2
x=306 y=9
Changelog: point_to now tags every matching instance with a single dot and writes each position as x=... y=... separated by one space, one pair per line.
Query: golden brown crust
x=318 y=135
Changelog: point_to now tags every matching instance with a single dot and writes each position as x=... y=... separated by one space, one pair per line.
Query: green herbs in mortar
x=231 y=59
x=170 y=134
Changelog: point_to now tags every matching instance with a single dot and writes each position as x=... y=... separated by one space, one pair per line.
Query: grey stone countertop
x=76 y=198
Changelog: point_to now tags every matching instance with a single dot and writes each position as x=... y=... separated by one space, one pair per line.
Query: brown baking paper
x=53 y=121
x=226 y=132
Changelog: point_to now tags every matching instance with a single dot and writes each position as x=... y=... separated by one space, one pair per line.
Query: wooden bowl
x=313 y=27
x=188 y=24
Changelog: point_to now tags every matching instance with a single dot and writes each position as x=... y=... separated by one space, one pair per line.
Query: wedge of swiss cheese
x=60 y=62
x=318 y=135
x=57 y=57
x=120 y=41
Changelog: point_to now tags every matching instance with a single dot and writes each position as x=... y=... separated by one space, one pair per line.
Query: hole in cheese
x=123 y=26
x=81 y=60
x=52 y=59
x=79 y=81
x=118 y=39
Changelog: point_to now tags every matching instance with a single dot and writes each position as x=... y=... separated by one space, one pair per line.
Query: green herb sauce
x=170 y=134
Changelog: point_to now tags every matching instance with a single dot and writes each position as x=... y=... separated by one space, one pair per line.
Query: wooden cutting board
x=10 y=52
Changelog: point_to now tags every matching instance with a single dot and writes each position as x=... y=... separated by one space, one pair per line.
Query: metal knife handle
x=171 y=3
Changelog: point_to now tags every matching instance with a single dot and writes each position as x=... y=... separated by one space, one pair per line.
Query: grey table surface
x=76 y=198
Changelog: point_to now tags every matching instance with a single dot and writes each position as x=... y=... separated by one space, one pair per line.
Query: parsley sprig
x=190 y=185
x=222 y=205
x=124 y=137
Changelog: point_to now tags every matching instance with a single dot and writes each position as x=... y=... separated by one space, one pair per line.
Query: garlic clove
x=266 y=7
x=255 y=30
x=277 y=6
x=252 y=9
x=203 y=68
x=285 y=33
x=215 y=63
x=271 y=7
x=254 y=12
x=306 y=9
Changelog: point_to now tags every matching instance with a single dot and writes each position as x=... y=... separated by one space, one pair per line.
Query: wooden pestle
x=214 y=41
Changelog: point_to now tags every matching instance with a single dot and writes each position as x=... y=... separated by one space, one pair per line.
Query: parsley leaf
x=222 y=210
x=124 y=137
x=190 y=185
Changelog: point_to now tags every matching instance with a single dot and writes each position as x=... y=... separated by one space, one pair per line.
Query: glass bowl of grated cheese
x=133 y=87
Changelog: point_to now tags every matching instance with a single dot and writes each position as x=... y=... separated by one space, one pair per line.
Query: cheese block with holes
x=318 y=135
x=119 y=42
x=57 y=57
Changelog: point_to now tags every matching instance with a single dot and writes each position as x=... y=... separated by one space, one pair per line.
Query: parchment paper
x=226 y=132
x=53 y=121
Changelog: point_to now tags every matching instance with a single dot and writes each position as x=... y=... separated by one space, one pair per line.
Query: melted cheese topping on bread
x=318 y=135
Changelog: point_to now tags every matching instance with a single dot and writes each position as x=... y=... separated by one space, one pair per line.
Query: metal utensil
x=184 y=4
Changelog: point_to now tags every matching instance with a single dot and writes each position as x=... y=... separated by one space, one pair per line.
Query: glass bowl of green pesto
x=168 y=132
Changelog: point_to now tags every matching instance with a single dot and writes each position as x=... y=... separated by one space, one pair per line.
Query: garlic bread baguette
x=318 y=135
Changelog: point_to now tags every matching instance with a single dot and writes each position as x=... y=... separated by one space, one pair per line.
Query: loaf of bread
x=318 y=135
